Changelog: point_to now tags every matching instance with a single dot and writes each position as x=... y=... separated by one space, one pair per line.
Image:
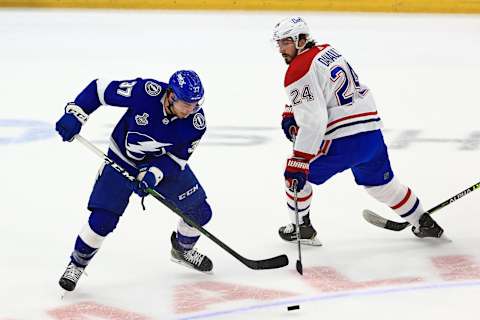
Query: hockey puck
x=295 y=307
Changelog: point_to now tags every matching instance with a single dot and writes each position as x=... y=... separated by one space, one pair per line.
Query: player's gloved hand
x=147 y=179
x=71 y=122
x=297 y=169
x=289 y=126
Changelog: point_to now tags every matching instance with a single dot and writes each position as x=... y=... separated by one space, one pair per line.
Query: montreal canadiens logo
x=199 y=121
x=153 y=89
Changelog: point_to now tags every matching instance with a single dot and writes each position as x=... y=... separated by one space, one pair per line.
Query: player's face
x=287 y=49
x=183 y=109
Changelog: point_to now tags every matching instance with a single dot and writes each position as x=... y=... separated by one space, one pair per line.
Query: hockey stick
x=297 y=225
x=381 y=222
x=299 y=265
x=272 y=263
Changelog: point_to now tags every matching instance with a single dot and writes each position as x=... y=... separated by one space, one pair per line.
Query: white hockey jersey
x=327 y=100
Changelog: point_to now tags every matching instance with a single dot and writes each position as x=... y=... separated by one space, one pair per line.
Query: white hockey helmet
x=291 y=27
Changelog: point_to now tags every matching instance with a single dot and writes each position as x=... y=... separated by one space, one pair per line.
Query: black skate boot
x=307 y=233
x=70 y=277
x=189 y=258
x=428 y=228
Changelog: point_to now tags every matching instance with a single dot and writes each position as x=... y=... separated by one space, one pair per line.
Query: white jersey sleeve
x=327 y=99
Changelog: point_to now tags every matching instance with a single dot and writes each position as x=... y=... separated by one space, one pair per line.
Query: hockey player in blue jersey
x=337 y=127
x=162 y=125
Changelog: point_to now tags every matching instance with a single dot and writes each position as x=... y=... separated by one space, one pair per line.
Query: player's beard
x=288 y=58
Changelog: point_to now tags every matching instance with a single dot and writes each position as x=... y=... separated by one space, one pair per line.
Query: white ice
x=424 y=73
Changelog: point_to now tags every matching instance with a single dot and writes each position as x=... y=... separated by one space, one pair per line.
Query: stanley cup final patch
x=141 y=120
x=153 y=89
x=199 y=121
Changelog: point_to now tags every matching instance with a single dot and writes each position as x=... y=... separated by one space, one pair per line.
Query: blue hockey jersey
x=146 y=135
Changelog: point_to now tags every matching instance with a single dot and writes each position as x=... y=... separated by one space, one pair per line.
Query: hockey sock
x=83 y=253
x=90 y=238
x=187 y=236
x=400 y=199
x=304 y=197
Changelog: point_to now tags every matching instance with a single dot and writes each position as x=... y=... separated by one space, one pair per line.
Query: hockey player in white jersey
x=334 y=124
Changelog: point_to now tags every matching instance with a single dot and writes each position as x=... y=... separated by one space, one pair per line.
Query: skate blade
x=309 y=242
x=63 y=293
x=443 y=238
x=181 y=262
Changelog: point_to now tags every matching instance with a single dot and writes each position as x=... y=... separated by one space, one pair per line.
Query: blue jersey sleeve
x=120 y=93
x=88 y=99
x=114 y=93
x=184 y=150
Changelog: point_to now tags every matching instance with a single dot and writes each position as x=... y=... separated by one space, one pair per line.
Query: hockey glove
x=289 y=125
x=71 y=122
x=296 y=170
x=147 y=179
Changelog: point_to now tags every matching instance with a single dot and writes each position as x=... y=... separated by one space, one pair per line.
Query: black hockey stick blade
x=381 y=222
x=299 y=267
x=272 y=263
x=396 y=226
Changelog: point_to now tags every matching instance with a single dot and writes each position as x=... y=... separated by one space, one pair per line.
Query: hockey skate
x=70 y=277
x=428 y=228
x=308 y=235
x=189 y=258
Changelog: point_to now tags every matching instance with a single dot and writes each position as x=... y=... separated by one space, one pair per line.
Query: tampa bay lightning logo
x=139 y=145
x=153 y=89
x=181 y=80
x=199 y=121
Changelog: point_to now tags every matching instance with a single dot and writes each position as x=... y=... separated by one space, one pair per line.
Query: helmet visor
x=195 y=106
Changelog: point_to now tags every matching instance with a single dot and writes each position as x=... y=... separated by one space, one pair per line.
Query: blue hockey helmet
x=186 y=86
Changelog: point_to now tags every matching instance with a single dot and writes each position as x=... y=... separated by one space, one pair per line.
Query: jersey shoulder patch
x=301 y=64
x=199 y=122
x=152 y=88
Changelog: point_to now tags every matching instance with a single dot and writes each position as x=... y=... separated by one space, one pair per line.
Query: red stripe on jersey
x=405 y=199
x=326 y=146
x=303 y=155
x=352 y=116
x=301 y=64
x=299 y=199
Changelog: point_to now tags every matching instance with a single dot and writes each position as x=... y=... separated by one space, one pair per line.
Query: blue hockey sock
x=187 y=242
x=82 y=254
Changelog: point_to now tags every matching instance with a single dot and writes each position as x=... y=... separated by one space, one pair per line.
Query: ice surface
x=423 y=71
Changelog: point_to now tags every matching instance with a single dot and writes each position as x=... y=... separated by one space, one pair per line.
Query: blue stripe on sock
x=411 y=210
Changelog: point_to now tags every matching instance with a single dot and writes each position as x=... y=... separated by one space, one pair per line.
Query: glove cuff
x=78 y=112
x=157 y=173
x=306 y=156
x=301 y=164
